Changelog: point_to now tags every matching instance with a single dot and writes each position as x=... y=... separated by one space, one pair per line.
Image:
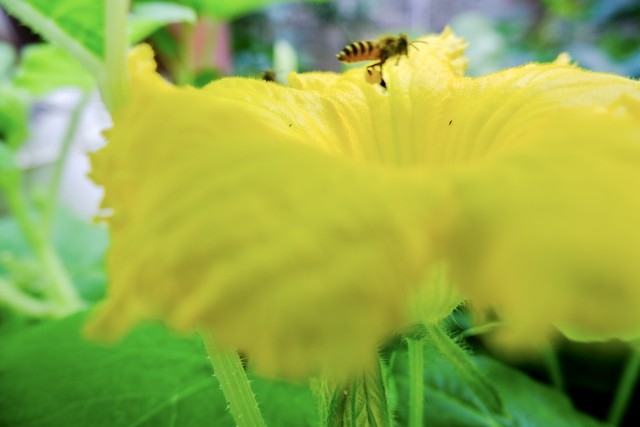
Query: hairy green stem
x=416 y=381
x=115 y=83
x=60 y=287
x=625 y=389
x=466 y=368
x=234 y=383
x=479 y=330
x=54 y=186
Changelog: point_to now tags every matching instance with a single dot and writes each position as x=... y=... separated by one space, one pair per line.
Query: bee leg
x=382 y=83
x=374 y=75
x=371 y=67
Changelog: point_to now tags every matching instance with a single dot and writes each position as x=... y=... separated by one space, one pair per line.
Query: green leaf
x=530 y=402
x=7 y=59
x=77 y=26
x=449 y=400
x=81 y=246
x=52 y=377
x=227 y=10
x=146 y=18
x=483 y=393
x=14 y=114
x=285 y=404
x=45 y=67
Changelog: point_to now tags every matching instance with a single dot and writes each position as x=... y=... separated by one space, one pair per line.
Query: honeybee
x=381 y=50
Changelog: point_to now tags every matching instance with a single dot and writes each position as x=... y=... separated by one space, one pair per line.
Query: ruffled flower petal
x=304 y=225
x=547 y=230
x=227 y=218
x=543 y=200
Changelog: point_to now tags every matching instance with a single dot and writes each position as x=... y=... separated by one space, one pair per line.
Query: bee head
x=403 y=44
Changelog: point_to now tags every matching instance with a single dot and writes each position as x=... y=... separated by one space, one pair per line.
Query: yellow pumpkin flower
x=306 y=224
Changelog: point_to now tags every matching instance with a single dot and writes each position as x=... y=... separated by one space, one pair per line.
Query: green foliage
x=13 y=116
x=528 y=401
x=285 y=404
x=74 y=25
x=568 y=8
x=361 y=402
x=450 y=400
x=80 y=244
x=81 y=20
x=7 y=165
x=52 y=377
x=206 y=76
x=7 y=59
x=45 y=67
x=226 y=10
x=147 y=18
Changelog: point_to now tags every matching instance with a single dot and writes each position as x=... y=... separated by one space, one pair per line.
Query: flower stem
x=115 y=83
x=234 y=383
x=416 y=381
x=54 y=187
x=625 y=389
x=185 y=71
x=59 y=289
x=466 y=368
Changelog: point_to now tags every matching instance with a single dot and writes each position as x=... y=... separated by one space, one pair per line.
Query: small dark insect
x=381 y=50
x=268 y=76
x=450 y=121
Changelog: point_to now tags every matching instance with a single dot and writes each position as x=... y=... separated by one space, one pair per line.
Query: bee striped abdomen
x=360 y=51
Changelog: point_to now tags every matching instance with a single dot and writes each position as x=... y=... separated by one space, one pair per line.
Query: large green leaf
x=45 y=67
x=77 y=26
x=50 y=377
x=226 y=9
x=450 y=401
